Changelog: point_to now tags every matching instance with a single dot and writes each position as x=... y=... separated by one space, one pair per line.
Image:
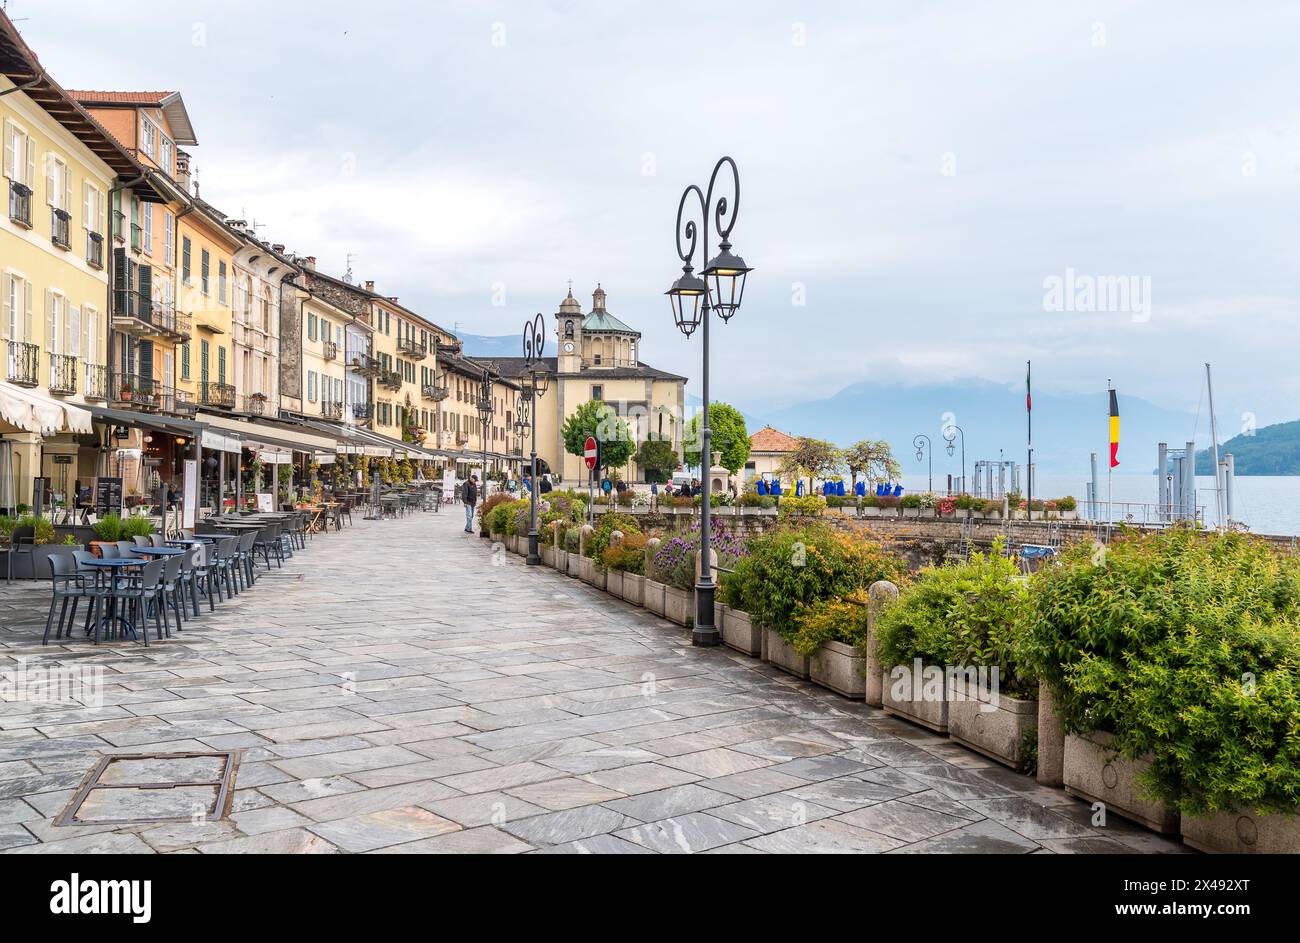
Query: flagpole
x=1029 y=419
x=1110 y=476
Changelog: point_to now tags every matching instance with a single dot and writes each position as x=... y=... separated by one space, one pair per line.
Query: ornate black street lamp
x=485 y=411
x=950 y=434
x=535 y=384
x=924 y=449
x=692 y=298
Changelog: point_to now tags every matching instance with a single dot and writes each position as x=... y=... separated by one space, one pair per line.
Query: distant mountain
x=1272 y=450
x=1067 y=426
x=481 y=345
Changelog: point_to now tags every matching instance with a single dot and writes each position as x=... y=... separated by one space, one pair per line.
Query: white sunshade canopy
x=35 y=412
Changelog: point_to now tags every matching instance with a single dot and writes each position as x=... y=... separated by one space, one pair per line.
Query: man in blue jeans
x=470 y=496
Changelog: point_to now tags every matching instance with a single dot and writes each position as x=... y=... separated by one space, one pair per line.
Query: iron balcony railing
x=331 y=351
x=137 y=314
x=131 y=389
x=331 y=409
x=20 y=204
x=254 y=403
x=445 y=349
x=390 y=379
x=221 y=395
x=23 y=363
x=94 y=250
x=96 y=381
x=177 y=401
x=435 y=394
x=63 y=374
x=412 y=349
x=60 y=228
x=364 y=364
x=363 y=411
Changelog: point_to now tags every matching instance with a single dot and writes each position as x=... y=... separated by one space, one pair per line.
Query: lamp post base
x=705 y=634
x=534 y=558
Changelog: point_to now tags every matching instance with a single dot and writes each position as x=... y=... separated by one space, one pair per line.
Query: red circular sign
x=589 y=452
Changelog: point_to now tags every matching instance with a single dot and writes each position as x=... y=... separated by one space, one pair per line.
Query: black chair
x=189 y=577
x=69 y=587
x=171 y=589
x=145 y=595
x=22 y=543
x=267 y=542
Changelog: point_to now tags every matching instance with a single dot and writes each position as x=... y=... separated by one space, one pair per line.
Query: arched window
x=246 y=289
x=568 y=328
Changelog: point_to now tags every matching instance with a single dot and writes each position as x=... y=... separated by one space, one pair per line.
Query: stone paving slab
x=460 y=702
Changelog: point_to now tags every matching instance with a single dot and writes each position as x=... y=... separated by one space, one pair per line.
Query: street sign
x=606 y=485
x=590 y=452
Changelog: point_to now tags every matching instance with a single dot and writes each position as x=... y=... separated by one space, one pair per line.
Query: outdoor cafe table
x=111 y=616
x=158 y=551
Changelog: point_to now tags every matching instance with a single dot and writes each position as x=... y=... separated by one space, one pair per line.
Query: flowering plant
x=674 y=563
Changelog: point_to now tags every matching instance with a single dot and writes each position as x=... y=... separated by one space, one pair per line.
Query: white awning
x=272 y=437
x=35 y=412
x=217 y=442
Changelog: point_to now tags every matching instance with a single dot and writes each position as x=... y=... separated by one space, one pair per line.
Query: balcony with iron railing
x=446 y=349
x=219 y=395
x=22 y=363
x=63 y=374
x=434 y=394
x=20 y=204
x=390 y=379
x=253 y=403
x=412 y=349
x=138 y=315
x=131 y=389
x=331 y=409
x=94 y=250
x=363 y=411
x=96 y=382
x=330 y=350
x=61 y=228
x=364 y=364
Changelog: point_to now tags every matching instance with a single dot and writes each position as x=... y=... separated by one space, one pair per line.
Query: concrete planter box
x=548 y=556
x=777 y=651
x=653 y=597
x=598 y=574
x=840 y=667
x=586 y=570
x=497 y=538
x=36 y=565
x=678 y=605
x=1243 y=833
x=633 y=588
x=998 y=733
x=573 y=564
x=614 y=582
x=1094 y=772
x=739 y=632
x=911 y=512
x=932 y=714
x=871 y=511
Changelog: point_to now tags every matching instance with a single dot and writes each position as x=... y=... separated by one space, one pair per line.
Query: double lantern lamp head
x=722 y=288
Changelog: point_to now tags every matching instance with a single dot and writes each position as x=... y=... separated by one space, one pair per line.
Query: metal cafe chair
x=68 y=587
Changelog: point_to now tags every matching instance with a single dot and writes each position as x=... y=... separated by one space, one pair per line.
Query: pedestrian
x=469 y=495
x=544 y=486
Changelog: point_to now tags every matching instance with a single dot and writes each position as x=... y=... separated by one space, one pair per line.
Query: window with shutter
x=147 y=212
x=221 y=364
x=221 y=282
x=205 y=272
x=53 y=323
x=203 y=362
x=10 y=302
x=145 y=352
x=185 y=259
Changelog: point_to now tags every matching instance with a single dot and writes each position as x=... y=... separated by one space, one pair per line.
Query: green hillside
x=1272 y=450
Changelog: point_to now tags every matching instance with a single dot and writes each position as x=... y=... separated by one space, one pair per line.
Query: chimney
x=370 y=285
x=393 y=299
x=309 y=261
x=277 y=249
x=238 y=225
x=183 y=170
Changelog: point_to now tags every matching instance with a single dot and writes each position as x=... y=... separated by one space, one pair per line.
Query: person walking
x=469 y=495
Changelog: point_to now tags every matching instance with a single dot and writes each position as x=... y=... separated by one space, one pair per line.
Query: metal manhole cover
x=145 y=788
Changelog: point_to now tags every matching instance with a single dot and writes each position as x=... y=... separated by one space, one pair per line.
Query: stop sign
x=589 y=453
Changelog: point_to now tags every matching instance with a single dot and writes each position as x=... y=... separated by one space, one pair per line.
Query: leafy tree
x=597 y=418
x=812 y=458
x=729 y=437
x=657 y=459
x=873 y=460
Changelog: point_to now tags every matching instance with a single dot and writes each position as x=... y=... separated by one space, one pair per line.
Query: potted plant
x=625 y=560
x=108 y=530
x=652 y=593
x=832 y=633
x=673 y=566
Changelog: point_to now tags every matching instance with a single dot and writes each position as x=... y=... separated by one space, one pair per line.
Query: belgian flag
x=1114 y=430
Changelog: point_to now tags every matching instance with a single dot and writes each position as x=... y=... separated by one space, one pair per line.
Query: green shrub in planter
x=910 y=501
x=752 y=499
x=573 y=539
x=1186 y=647
x=830 y=620
x=627 y=556
x=971 y=613
x=790 y=566
x=606 y=524
x=109 y=528
x=808 y=505
x=1067 y=503
x=487 y=507
x=136 y=527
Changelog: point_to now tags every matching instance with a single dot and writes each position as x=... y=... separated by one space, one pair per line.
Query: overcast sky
x=912 y=172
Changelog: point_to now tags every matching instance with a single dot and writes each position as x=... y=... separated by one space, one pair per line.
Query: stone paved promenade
x=400 y=688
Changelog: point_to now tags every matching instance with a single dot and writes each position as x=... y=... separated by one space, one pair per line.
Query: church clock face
x=568 y=347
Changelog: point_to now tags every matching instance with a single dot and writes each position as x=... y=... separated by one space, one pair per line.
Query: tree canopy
x=729 y=437
x=597 y=418
x=657 y=460
x=812 y=458
x=872 y=460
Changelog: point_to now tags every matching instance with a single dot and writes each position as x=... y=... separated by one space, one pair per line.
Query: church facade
x=598 y=357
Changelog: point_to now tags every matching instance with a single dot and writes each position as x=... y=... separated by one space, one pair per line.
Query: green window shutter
x=221 y=365
x=203 y=362
x=185 y=360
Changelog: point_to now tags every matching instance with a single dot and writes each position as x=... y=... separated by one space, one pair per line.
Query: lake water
x=1267 y=504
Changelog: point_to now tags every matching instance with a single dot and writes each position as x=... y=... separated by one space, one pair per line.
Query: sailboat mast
x=1214 y=441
